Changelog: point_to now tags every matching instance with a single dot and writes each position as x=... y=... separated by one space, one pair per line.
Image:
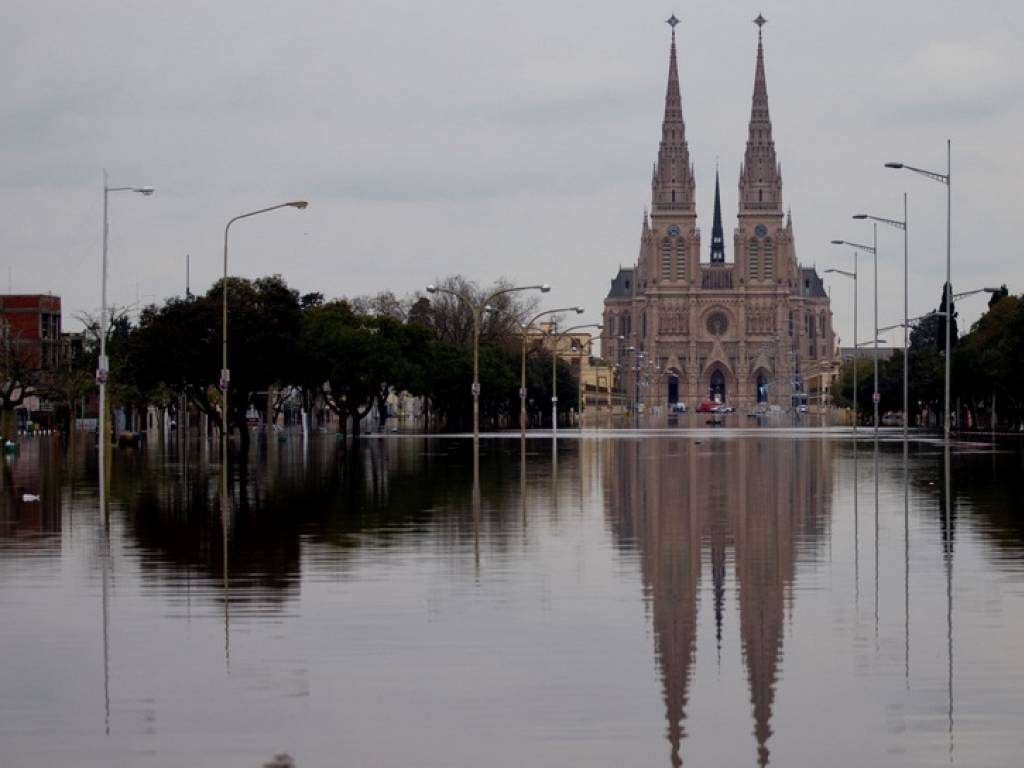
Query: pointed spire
x=760 y=110
x=761 y=176
x=673 y=186
x=717 y=235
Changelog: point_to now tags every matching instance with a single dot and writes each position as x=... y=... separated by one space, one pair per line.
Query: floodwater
x=688 y=596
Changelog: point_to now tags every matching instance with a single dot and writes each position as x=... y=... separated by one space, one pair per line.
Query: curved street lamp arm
x=940 y=177
x=891 y=222
x=858 y=246
x=843 y=272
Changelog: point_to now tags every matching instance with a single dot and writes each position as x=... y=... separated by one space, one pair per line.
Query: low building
x=31 y=344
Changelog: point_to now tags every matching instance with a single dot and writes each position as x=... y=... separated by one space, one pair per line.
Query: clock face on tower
x=673 y=231
x=761 y=230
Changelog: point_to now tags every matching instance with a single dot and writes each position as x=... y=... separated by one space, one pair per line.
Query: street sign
x=876 y=397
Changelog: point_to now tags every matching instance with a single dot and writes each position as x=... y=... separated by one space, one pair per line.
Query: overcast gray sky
x=500 y=139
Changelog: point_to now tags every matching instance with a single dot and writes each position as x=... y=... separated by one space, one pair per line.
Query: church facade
x=750 y=333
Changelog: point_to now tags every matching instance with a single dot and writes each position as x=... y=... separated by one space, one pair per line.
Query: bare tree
x=452 y=321
x=384 y=304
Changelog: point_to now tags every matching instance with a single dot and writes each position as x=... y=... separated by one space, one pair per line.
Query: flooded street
x=708 y=597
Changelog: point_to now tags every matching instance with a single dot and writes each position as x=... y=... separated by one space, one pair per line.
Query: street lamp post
x=911 y=321
x=906 y=323
x=873 y=250
x=524 y=328
x=948 y=291
x=103 y=367
x=554 y=368
x=477 y=311
x=597 y=394
x=852 y=276
x=638 y=354
x=225 y=375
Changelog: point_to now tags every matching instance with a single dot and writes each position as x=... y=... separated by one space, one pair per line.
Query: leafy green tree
x=356 y=359
x=927 y=369
x=865 y=375
x=179 y=346
x=447 y=378
x=66 y=386
x=986 y=364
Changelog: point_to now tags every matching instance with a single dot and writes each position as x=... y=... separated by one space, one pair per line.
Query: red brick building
x=30 y=344
x=32 y=324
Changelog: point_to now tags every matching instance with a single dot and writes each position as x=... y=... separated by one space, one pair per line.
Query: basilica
x=751 y=333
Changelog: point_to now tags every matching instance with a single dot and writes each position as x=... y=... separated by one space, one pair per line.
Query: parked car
x=707 y=407
x=678 y=407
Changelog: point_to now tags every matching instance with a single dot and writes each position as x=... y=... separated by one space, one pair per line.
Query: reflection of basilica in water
x=690 y=507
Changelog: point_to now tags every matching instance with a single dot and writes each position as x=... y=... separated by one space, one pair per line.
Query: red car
x=707 y=407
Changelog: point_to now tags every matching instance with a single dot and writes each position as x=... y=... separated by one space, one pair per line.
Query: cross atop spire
x=672 y=21
x=760 y=21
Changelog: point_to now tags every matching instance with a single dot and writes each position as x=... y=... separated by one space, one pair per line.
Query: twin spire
x=673 y=185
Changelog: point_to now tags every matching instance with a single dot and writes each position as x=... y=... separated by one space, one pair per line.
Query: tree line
x=986 y=370
x=344 y=355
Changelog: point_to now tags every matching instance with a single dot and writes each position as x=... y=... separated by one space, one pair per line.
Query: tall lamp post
x=477 y=311
x=524 y=328
x=852 y=276
x=103 y=368
x=554 y=369
x=873 y=250
x=906 y=323
x=597 y=395
x=225 y=375
x=638 y=354
x=947 y=180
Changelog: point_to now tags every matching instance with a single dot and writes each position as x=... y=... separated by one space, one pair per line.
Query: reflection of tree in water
x=987 y=484
x=41 y=467
x=381 y=492
x=678 y=501
x=983 y=487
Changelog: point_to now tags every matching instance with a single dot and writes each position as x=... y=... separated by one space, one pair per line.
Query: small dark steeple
x=717 y=237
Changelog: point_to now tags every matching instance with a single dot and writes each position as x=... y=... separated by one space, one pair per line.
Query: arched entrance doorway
x=673 y=388
x=717 y=391
x=762 y=388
